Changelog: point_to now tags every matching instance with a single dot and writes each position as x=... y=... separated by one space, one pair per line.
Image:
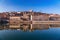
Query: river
x=36 y=33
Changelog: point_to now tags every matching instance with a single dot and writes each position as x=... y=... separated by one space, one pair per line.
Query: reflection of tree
x=4 y=26
x=31 y=30
x=24 y=27
x=24 y=30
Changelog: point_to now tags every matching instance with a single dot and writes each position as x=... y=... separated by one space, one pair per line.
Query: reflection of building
x=26 y=27
x=40 y=26
x=54 y=25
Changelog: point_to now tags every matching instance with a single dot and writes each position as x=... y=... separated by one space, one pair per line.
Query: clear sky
x=48 y=6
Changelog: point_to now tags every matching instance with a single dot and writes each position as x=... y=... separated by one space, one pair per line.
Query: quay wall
x=45 y=22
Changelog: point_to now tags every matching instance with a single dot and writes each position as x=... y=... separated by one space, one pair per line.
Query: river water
x=37 y=32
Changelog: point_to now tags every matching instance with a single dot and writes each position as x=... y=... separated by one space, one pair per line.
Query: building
x=38 y=16
x=14 y=22
x=54 y=17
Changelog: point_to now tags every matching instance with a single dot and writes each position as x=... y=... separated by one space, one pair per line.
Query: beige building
x=54 y=17
x=40 y=18
x=14 y=22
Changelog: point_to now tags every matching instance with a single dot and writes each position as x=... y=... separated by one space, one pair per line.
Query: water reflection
x=29 y=32
x=28 y=27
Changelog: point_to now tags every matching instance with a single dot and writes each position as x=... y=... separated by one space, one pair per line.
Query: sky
x=46 y=6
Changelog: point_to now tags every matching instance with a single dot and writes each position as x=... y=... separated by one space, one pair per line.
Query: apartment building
x=14 y=22
x=54 y=17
